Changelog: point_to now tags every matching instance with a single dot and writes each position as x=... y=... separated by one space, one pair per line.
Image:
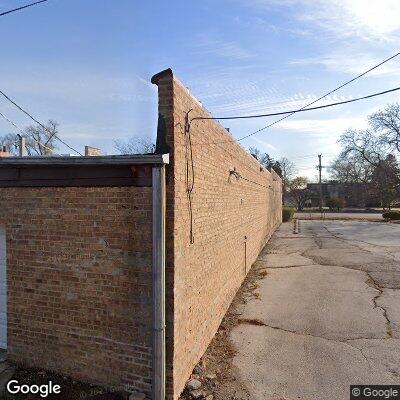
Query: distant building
x=354 y=194
x=4 y=152
x=92 y=151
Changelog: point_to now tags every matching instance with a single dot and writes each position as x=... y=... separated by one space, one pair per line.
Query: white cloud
x=209 y=45
x=265 y=145
x=368 y=20
x=253 y=94
x=350 y=62
x=79 y=86
x=323 y=127
x=371 y=20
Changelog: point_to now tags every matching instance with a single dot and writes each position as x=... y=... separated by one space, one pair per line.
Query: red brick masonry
x=79 y=258
x=232 y=220
x=79 y=281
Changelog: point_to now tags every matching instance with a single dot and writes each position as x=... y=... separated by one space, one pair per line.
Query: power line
x=311 y=156
x=21 y=8
x=23 y=133
x=289 y=113
x=302 y=109
x=321 y=97
x=53 y=134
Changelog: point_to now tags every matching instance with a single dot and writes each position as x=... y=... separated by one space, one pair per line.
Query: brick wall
x=79 y=259
x=79 y=281
x=92 y=151
x=206 y=274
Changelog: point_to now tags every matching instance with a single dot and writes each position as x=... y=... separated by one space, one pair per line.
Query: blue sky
x=88 y=64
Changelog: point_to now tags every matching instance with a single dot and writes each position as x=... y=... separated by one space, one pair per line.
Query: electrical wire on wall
x=238 y=176
x=189 y=173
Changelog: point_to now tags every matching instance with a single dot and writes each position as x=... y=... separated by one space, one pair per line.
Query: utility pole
x=320 y=182
x=22 y=146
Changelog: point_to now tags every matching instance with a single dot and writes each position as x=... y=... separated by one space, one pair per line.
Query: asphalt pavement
x=325 y=316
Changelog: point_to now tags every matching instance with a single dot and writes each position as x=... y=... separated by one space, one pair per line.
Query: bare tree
x=373 y=152
x=298 y=192
x=263 y=158
x=40 y=140
x=387 y=124
x=350 y=168
x=385 y=181
x=10 y=142
x=365 y=144
x=288 y=170
x=266 y=160
x=134 y=145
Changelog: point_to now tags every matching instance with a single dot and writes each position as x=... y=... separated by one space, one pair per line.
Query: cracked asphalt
x=325 y=316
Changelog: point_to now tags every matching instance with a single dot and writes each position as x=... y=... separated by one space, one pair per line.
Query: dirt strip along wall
x=231 y=219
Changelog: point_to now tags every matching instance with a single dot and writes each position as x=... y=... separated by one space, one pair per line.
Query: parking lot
x=325 y=315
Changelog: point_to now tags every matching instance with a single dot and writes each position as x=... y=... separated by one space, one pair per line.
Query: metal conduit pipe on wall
x=159 y=348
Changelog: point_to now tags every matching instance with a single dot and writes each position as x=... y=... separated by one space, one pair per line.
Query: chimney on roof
x=92 y=151
x=4 y=152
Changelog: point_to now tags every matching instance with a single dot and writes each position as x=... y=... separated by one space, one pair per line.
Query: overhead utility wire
x=23 y=133
x=320 y=98
x=301 y=109
x=21 y=8
x=39 y=123
x=289 y=113
x=310 y=156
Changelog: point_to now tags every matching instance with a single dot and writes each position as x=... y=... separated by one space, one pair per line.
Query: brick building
x=86 y=251
x=353 y=193
x=78 y=238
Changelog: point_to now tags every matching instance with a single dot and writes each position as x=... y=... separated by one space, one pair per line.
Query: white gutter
x=159 y=349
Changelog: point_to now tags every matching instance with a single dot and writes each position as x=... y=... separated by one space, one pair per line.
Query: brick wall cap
x=157 y=77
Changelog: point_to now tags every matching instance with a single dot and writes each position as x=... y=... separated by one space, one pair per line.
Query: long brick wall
x=79 y=259
x=232 y=220
x=79 y=281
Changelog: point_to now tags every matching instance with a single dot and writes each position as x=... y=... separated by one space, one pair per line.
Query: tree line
x=368 y=162
x=371 y=156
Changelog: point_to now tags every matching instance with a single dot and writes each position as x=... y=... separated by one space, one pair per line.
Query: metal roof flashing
x=135 y=159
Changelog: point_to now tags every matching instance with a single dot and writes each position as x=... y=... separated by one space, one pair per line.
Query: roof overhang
x=129 y=170
x=141 y=159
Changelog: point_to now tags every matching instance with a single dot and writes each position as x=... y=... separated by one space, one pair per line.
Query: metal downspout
x=159 y=349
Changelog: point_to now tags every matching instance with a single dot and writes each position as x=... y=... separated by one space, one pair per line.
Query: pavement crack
x=372 y=283
x=292 y=266
x=354 y=244
x=361 y=352
x=317 y=240
x=258 y=322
